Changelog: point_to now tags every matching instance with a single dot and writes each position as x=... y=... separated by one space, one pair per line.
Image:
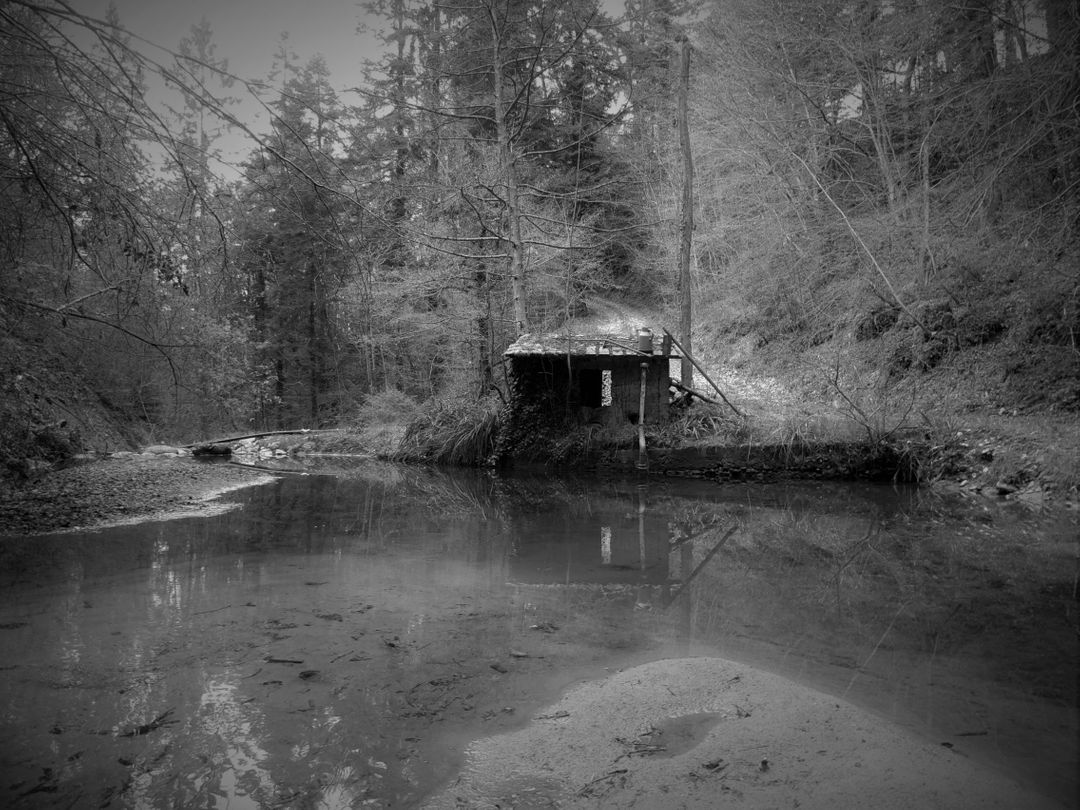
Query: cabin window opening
x=605 y=387
x=591 y=387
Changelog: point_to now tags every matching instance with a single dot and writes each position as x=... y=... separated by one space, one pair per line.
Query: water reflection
x=335 y=642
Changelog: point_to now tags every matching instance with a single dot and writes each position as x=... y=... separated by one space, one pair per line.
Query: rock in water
x=161 y=450
x=212 y=450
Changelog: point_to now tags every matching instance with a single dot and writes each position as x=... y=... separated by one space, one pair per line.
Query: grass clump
x=460 y=434
x=702 y=422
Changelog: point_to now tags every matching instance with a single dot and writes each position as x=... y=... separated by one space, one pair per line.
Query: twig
x=556 y=716
x=642 y=748
x=608 y=775
x=159 y=721
x=215 y=610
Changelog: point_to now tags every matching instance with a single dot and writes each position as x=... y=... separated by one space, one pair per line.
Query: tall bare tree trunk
x=686 y=215
x=518 y=290
x=508 y=169
x=313 y=348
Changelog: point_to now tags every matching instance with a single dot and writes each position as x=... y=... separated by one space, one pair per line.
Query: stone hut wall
x=571 y=391
x=548 y=398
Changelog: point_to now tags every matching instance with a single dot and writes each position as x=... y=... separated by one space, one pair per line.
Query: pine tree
x=295 y=249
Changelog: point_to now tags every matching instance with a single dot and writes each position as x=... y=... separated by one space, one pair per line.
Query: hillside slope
x=989 y=411
x=49 y=412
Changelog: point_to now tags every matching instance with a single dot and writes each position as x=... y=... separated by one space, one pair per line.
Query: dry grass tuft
x=458 y=434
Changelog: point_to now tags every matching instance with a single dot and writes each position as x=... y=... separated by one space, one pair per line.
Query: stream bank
x=118 y=489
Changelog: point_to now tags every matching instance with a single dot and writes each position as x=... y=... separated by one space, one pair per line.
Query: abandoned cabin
x=591 y=378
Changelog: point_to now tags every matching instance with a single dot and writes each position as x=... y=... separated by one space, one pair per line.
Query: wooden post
x=643 y=459
x=686 y=215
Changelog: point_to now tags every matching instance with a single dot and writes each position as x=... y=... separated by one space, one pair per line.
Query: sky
x=246 y=33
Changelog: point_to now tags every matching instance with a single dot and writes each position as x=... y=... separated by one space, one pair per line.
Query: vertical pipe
x=643 y=460
x=641 y=526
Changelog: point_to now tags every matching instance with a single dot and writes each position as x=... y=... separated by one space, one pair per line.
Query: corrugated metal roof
x=615 y=345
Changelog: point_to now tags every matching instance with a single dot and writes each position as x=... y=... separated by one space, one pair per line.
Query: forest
x=902 y=174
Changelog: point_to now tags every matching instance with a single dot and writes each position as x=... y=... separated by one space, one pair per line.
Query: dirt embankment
x=118 y=490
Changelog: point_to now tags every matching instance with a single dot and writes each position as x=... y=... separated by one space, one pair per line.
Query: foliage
x=901 y=154
x=295 y=251
x=103 y=264
x=389 y=407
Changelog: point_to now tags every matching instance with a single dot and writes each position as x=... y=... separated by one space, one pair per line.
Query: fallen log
x=263 y=434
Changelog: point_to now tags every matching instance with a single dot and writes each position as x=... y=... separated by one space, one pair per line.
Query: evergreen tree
x=295 y=248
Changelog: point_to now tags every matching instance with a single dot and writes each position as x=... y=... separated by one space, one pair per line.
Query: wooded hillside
x=880 y=189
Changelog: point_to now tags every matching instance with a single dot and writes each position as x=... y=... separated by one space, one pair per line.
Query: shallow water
x=337 y=641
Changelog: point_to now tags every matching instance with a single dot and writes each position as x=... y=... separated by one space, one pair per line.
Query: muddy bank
x=697 y=733
x=111 y=491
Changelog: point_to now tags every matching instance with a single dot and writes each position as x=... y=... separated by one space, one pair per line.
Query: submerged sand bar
x=710 y=733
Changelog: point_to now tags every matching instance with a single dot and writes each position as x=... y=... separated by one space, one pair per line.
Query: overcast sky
x=246 y=33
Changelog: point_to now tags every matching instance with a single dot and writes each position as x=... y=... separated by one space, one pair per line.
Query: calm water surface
x=338 y=640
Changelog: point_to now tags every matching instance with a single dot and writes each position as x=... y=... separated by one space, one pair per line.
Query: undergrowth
x=699 y=423
x=455 y=433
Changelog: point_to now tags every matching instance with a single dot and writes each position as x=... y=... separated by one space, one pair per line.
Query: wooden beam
x=688 y=390
x=704 y=374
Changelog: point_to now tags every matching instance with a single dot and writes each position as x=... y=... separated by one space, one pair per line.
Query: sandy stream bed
x=674 y=733
x=710 y=733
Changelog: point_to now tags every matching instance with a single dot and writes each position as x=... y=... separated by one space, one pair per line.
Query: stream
x=337 y=640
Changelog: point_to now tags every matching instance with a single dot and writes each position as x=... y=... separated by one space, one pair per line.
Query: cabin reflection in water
x=608 y=546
